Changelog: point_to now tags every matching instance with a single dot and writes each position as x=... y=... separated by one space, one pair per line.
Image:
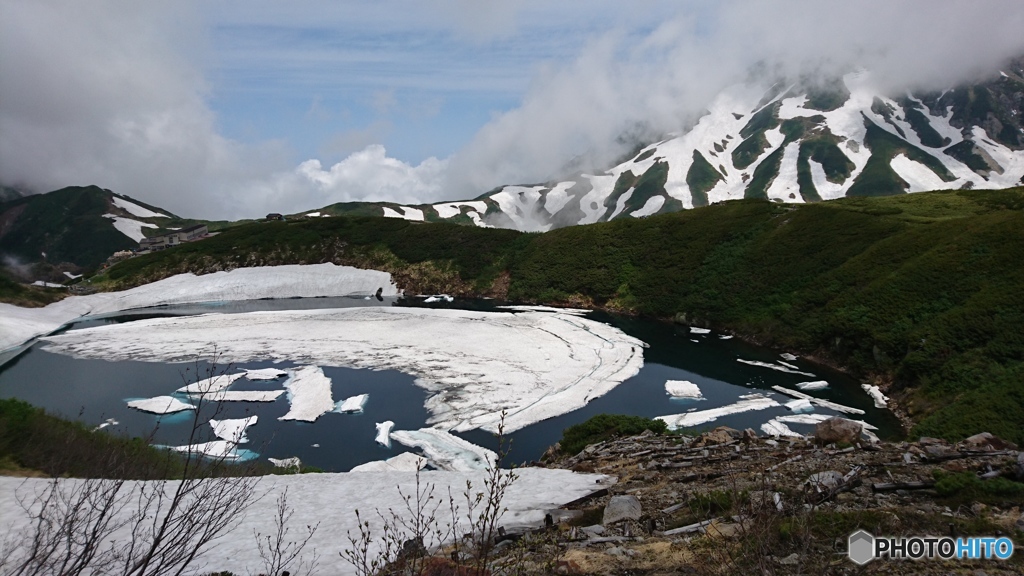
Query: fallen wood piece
x=641 y=453
x=969 y=454
x=602 y=539
x=890 y=486
x=673 y=508
x=817 y=401
x=690 y=528
x=591 y=496
x=793 y=459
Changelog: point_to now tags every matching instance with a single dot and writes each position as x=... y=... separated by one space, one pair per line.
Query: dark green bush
x=604 y=426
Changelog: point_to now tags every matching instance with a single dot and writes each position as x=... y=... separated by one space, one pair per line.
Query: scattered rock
x=824 y=481
x=791 y=560
x=925 y=440
x=1020 y=466
x=621 y=508
x=749 y=436
x=986 y=441
x=595 y=530
x=937 y=451
x=719 y=435
x=837 y=430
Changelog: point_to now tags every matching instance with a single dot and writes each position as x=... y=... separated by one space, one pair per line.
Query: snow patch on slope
x=130 y=228
x=136 y=210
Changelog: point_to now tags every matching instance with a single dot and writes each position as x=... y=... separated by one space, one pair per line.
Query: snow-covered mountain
x=784 y=144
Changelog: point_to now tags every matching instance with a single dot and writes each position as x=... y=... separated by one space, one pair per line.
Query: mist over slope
x=786 y=141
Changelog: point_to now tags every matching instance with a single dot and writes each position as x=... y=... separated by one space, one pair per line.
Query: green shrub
x=604 y=426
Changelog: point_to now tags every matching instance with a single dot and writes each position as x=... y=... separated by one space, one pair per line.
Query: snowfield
x=331 y=499
x=18 y=325
x=534 y=365
x=130 y=228
x=136 y=210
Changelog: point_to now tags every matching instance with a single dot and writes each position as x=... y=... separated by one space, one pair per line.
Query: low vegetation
x=605 y=426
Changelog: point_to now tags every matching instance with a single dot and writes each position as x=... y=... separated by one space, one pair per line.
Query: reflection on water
x=94 y=390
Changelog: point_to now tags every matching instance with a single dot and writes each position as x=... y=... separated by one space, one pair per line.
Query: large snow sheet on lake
x=535 y=365
x=330 y=499
x=18 y=325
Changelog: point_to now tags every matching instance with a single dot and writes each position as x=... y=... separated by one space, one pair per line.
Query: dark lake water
x=94 y=390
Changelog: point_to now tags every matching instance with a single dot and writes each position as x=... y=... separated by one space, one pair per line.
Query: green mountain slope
x=919 y=292
x=68 y=226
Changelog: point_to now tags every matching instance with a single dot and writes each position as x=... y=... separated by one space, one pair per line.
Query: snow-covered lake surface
x=322 y=373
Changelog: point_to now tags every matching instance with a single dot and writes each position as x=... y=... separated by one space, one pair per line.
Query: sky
x=233 y=108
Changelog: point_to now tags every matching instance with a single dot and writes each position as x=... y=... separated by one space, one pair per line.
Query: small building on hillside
x=175 y=237
x=273 y=216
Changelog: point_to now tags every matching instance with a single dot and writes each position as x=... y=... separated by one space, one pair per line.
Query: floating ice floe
x=105 y=423
x=876 y=394
x=474 y=365
x=696 y=330
x=774 y=367
x=309 y=393
x=799 y=405
x=47 y=284
x=446 y=451
x=776 y=428
x=264 y=374
x=216 y=449
x=683 y=389
x=818 y=401
x=748 y=403
x=866 y=429
x=384 y=433
x=316 y=497
x=18 y=325
x=161 y=405
x=438 y=298
x=787 y=356
x=725 y=336
x=72 y=276
x=521 y=308
x=404 y=462
x=233 y=430
x=292 y=462
x=211 y=384
x=352 y=404
x=788 y=365
x=816 y=385
x=243 y=396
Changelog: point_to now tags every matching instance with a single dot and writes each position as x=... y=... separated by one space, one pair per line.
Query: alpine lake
x=96 y=392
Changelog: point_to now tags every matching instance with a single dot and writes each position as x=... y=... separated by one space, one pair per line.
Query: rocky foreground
x=731 y=502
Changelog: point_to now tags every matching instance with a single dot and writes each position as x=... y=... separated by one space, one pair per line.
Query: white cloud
x=367 y=175
x=114 y=93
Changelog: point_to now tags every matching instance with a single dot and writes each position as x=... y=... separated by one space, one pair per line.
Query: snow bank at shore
x=331 y=499
x=18 y=325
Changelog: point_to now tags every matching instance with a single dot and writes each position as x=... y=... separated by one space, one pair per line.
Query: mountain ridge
x=786 y=144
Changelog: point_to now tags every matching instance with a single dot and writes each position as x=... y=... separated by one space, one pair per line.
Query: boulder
x=719 y=435
x=1020 y=468
x=986 y=441
x=749 y=436
x=626 y=507
x=837 y=430
x=824 y=481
